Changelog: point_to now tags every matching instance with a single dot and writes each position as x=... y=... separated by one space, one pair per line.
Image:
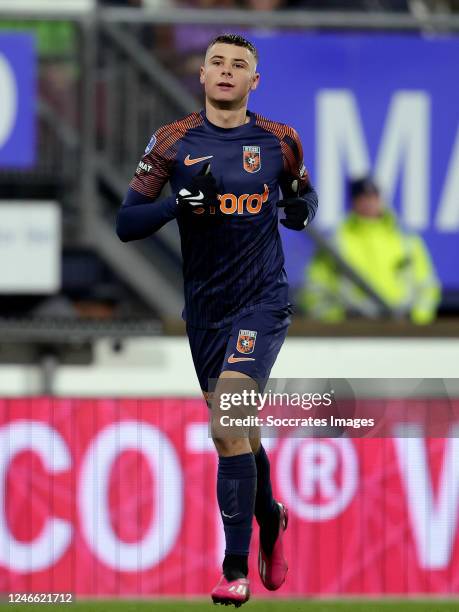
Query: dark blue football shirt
x=233 y=260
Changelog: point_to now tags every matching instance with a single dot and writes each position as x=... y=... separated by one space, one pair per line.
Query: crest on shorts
x=251 y=159
x=246 y=341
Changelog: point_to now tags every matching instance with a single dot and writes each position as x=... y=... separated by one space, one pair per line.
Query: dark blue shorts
x=249 y=345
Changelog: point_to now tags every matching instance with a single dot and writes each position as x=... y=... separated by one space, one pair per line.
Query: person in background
x=394 y=263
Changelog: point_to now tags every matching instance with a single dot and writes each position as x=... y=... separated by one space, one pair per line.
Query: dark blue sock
x=236 y=489
x=265 y=505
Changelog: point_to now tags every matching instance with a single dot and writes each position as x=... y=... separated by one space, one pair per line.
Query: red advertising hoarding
x=117 y=497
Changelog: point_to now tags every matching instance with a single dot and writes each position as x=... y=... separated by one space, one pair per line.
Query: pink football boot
x=235 y=593
x=273 y=569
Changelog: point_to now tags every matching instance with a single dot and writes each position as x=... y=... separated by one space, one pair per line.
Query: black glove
x=201 y=193
x=299 y=211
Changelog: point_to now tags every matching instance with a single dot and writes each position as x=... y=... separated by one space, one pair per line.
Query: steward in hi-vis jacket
x=396 y=264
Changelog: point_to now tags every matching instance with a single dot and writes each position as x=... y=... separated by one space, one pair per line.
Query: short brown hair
x=235 y=39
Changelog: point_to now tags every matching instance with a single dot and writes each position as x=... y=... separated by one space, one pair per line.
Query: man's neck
x=226 y=118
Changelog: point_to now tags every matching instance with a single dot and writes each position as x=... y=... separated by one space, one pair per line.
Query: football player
x=226 y=166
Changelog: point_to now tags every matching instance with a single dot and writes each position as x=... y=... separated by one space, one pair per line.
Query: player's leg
x=264 y=334
x=267 y=511
x=236 y=470
x=236 y=477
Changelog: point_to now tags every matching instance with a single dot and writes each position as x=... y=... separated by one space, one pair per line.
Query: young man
x=225 y=166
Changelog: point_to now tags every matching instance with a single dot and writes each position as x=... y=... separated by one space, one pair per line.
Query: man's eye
x=239 y=65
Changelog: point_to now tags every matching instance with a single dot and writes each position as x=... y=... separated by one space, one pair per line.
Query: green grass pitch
x=254 y=605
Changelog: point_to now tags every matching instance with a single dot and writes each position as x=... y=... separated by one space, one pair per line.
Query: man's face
x=229 y=75
x=368 y=205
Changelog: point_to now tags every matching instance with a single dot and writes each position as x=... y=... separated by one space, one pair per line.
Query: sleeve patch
x=150 y=145
x=143 y=167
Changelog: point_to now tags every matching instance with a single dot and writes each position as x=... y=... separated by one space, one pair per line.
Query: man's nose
x=226 y=70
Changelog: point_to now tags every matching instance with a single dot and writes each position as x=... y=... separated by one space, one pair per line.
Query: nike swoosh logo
x=229 y=515
x=190 y=162
x=233 y=359
x=194 y=200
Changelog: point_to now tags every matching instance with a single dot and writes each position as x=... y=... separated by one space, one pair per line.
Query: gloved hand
x=298 y=210
x=201 y=193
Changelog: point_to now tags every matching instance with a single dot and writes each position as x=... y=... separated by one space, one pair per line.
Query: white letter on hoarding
x=94 y=502
x=323 y=462
x=340 y=142
x=47 y=548
x=8 y=97
x=342 y=151
x=448 y=210
x=406 y=144
x=319 y=462
x=434 y=522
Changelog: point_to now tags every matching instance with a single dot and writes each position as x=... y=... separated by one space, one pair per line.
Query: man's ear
x=201 y=75
x=255 y=81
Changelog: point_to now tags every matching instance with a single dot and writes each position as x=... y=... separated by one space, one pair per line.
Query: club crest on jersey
x=251 y=159
x=246 y=341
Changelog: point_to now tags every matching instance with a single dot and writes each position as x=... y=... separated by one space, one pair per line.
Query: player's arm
x=141 y=213
x=300 y=199
x=140 y=216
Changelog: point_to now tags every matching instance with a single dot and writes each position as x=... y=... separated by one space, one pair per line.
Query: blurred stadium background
x=106 y=470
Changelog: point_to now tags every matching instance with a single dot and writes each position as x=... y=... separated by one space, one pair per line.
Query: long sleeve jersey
x=233 y=260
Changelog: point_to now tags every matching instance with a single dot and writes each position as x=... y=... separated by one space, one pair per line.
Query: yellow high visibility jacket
x=395 y=264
